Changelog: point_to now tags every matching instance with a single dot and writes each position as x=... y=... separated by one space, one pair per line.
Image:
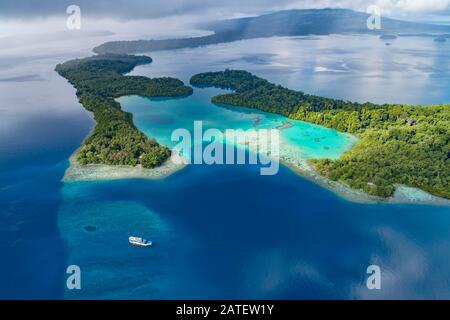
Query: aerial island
x=398 y=144
x=115 y=139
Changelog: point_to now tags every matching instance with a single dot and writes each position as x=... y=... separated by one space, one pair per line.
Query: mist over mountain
x=282 y=23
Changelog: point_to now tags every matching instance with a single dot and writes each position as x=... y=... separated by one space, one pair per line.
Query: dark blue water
x=227 y=232
x=33 y=256
x=220 y=231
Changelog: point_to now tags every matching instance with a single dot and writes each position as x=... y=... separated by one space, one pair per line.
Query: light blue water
x=158 y=118
x=219 y=231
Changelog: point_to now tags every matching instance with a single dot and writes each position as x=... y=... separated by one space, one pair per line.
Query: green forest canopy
x=399 y=144
x=115 y=139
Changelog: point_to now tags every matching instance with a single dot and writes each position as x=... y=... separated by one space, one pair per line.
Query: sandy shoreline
x=289 y=157
x=403 y=194
x=284 y=125
x=94 y=172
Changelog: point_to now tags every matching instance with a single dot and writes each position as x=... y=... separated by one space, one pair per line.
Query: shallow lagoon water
x=158 y=118
x=228 y=232
x=219 y=231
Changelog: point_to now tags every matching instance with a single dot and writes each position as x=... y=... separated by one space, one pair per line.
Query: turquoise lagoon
x=225 y=231
x=219 y=231
x=158 y=118
x=86 y=218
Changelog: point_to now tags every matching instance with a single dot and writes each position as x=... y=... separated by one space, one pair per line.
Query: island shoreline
x=295 y=162
x=357 y=196
x=77 y=172
x=99 y=172
x=401 y=195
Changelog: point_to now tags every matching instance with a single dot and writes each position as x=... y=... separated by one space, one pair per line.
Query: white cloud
x=395 y=7
x=414 y=6
x=159 y=8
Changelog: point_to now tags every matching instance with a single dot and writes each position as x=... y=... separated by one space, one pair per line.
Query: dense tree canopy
x=398 y=144
x=116 y=140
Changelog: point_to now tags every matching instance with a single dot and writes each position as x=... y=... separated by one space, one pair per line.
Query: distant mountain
x=282 y=23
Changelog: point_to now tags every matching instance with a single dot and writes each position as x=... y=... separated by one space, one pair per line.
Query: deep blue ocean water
x=219 y=231
x=227 y=232
x=33 y=256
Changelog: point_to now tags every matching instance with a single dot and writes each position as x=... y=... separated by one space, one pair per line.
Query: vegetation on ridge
x=115 y=139
x=398 y=144
x=282 y=23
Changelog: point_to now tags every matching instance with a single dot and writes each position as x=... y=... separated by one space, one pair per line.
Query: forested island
x=282 y=23
x=115 y=139
x=399 y=144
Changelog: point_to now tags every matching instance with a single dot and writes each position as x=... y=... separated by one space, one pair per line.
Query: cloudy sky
x=135 y=19
x=129 y=9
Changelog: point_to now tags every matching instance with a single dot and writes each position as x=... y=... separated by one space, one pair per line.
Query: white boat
x=136 y=241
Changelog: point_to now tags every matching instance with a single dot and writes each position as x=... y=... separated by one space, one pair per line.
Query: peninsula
x=398 y=144
x=282 y=23
x=115 y=139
